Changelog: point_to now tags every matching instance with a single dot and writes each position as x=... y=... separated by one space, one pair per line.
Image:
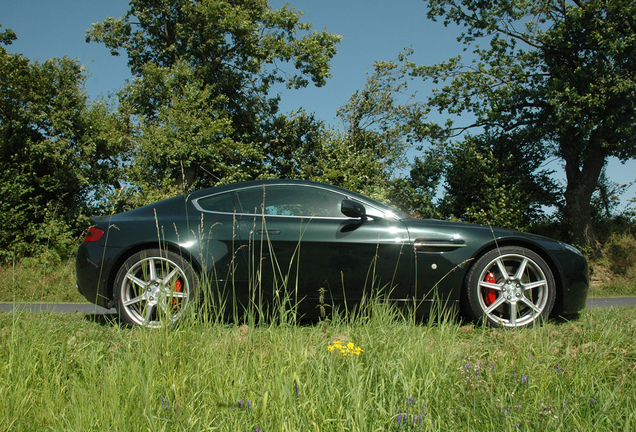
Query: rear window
x=223 y=203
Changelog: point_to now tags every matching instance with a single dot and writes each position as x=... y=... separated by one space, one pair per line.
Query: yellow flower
x=345 y=350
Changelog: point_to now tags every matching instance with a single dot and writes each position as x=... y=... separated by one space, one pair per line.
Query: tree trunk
x=186 y=177
x=582 y=180
x=578 y=212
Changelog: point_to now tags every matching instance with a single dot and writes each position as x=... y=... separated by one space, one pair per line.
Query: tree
x=53 y=154
x=204 y=72
x=496 y=180
x=380 y=123
x=563 y=73
x=305 y=148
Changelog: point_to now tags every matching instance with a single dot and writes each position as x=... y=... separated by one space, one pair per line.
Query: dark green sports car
x=303 y=243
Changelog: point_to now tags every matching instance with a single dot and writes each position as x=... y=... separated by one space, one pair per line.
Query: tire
x=510 y=287
x=154 y=287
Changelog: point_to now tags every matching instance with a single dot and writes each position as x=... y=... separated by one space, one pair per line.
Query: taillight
x=94 y=234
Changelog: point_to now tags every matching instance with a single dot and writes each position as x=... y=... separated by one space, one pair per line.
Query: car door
x=298 y=241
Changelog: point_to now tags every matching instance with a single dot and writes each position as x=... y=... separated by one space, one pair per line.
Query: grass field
x=378 y=372
x=78 y=373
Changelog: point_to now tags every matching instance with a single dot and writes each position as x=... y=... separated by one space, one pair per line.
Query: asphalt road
x=97 y=310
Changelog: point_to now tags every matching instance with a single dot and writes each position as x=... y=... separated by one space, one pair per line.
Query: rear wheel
x=510 y=287
x=154 y=287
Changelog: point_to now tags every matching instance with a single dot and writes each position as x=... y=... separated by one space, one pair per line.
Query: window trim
x=196 y=204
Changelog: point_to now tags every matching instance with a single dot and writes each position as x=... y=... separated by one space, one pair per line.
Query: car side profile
x=255 y=243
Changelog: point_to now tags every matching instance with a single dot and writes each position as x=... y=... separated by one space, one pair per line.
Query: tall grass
x=78 y=373
x=45 y=278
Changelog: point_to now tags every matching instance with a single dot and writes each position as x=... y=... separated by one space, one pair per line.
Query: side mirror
x=353 y=209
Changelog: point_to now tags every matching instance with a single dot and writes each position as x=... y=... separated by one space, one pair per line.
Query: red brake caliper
x=177 y=288
x=490 y=295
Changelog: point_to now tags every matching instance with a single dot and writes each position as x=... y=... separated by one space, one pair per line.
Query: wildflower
x=248 y=404
x=524 y=379
x=410 y=401
x=164 y=403
x=240 y=403
x=592 y=400
x=505 y=411
x=467 y=366
x=346 y=350
x=559 y=368
x=297 y=389
x=400 y=417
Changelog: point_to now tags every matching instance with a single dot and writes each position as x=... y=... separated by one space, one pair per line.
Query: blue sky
x=371 y=30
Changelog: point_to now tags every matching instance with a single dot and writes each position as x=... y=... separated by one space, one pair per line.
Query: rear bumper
x=93 y=272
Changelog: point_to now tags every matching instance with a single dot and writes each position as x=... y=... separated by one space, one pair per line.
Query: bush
x=614 y=273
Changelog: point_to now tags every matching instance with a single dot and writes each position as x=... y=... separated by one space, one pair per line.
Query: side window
x=282 y=200
x=224 y=203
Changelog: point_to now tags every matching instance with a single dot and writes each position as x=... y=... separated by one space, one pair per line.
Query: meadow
x=379 y=371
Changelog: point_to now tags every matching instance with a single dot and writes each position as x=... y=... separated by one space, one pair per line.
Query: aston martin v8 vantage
x=304 y=243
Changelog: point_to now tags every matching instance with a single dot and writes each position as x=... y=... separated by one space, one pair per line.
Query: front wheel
x=510 y=287
x=153 y=287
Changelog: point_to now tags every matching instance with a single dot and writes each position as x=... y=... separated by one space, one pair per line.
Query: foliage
x=53 y=154
x=606 y=200
x=560 y=74
x=417 y=193
x=201 y=101
x=614 y=272
x=378 y=123
x=303 y=147
x=188 y=143
x=489 y=181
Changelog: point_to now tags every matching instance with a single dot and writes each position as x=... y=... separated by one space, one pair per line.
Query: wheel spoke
x=534 y=285
x=148 y=315
x=172 y=274
x=521 y=270
x=134 y=300
x=177 y=294
x=162 y=305
x=529 y=303
x=152 y=271
x=489 y=285
x=502 y=268
x=135 y=280
x=513 y=313
x=500 y=300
